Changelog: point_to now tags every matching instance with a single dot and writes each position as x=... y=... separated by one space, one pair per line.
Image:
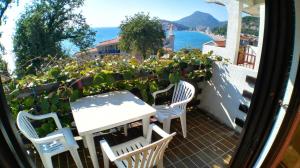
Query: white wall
x=219 y=51
x=234 y=10
x=222 y=95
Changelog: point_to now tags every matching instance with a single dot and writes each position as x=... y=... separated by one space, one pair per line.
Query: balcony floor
x=208 y=144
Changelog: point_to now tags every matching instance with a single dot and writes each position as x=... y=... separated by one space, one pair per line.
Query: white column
x=260 y=35
x=234 y=9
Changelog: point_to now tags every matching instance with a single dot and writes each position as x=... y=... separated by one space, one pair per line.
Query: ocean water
x=183 y=39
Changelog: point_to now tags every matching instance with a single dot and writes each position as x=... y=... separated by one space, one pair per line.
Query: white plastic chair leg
x=84 y=142
x=183 y=124
x=126 y=129
x=167 y=125
x=105 y=159
x=160 y=164
x=76 y=158
x=47 y=162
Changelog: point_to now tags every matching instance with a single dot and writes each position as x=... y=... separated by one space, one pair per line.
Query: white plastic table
x=105 y=111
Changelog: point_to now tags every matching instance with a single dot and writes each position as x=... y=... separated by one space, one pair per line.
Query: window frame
x=269 y=89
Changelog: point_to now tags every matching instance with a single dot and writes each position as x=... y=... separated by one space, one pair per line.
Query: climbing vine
x=69 y=80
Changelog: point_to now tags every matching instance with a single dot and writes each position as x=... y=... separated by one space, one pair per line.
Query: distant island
x=200 y=21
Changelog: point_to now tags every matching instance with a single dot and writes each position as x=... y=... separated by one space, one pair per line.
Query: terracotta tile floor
x=208 y=144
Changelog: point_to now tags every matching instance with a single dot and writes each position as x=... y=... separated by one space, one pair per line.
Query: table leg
x=92 y=150
x=146 y=122
x=84 y=142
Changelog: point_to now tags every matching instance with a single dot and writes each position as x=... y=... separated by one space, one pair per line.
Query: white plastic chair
x=139 y=152
x=183 y=93
x=54 y=143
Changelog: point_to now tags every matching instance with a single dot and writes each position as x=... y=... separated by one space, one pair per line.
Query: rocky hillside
x=199 y=20
x=196 y=21
x=166 y=23
x=250 y=25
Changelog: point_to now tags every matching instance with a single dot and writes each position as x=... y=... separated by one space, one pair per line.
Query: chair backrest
x=147 y=156
x=23 y=122
x=183 y=91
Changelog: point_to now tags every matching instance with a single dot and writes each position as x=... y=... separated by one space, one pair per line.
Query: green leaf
x=28 y=102
x=144 y=94
x=54 y=99
x=98 y=78
x=45 y=106
x=53 y=108
x=54 y=72
x=75 y=95
x=108 y=76
x=153 y=86
x=128 y=75
x=174 y=77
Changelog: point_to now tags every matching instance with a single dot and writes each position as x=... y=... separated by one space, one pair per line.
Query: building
x=109 y=47
x=216 y=43
x=234 y=39
x=169 y=41
x=89 y=54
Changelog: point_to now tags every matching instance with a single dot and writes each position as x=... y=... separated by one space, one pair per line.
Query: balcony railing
x=246 y=57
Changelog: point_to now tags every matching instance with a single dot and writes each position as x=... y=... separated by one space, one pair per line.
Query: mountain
x=176 y=26
x=250 y=25
x=199 y=20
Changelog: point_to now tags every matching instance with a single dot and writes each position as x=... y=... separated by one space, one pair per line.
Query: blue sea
x=183 y=39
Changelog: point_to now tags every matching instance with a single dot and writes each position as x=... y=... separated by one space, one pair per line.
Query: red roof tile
x=220 y=43
x=109 y=42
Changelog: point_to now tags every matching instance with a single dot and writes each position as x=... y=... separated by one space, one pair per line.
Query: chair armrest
x=161 y=91
x=44 y=116
x=180 y=103
x=47 y=139
x=107 y=150
x=158 y=130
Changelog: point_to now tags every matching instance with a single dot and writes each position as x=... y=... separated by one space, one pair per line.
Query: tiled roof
x=88 y=51
x=92 y=50
x=109 y=42
x=220 y=43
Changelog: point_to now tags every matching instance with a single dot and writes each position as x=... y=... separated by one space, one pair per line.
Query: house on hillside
x=109 y=47
x=89 y=54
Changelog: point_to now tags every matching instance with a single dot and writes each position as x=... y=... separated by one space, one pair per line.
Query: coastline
x=215 y=37
x=182 y=39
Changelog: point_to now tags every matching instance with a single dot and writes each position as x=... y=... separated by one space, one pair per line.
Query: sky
x=110 y=13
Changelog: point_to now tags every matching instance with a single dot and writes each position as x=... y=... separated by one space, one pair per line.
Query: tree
x=222 y=30
x=41 y=30
x=250 y=25
x=141 y=34
x=3 y=67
